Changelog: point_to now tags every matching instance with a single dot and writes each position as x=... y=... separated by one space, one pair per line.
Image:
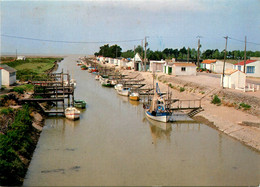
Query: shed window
x=12 y=74
x=183 y=68
x=250 y=69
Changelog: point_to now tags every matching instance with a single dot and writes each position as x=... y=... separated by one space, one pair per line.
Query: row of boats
x=159 y=107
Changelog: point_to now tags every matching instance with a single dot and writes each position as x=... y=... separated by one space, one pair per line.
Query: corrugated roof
x=184 y=64
x=247 y=62
x=8 y=68
x=208 y=61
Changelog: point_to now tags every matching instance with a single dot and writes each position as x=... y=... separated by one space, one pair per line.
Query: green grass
x=32 y=68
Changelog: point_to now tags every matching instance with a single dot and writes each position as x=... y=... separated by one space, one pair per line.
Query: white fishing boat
x=157 y=109
x=118 y=86
x=72 y=113
x=124 y=91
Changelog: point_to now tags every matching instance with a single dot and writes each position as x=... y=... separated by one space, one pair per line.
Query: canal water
x=114 y=144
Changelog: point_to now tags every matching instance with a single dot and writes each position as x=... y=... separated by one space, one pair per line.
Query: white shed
x=156 y=66
x=8 y=75
x=184 y=69
x=217 y=67
x=234 y=79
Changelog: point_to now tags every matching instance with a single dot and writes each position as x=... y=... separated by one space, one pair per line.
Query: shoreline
x=227 y=119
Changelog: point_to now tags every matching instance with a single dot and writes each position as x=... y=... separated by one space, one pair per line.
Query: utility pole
x=198 y=53
x=16 y=54
x=145 y=45
x=223 y=74
x=142 y=55
x=188 y=55
x=245 y=57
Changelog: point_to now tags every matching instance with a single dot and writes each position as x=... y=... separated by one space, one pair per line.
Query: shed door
x=170 y=70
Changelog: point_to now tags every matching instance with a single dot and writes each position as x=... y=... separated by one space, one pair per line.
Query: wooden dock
x=56 y=89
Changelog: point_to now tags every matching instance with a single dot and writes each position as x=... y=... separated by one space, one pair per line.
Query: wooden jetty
x=53 y=90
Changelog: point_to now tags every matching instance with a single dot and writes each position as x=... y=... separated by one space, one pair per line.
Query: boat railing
x=186 y=104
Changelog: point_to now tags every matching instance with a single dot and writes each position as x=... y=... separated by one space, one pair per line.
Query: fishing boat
x=135 y=96
x=79 y=63
x=72 y=113
x=79 y=104
x=84 y=67
x=106 y=83
x=97 y=77
x=72 y=83
x=118 y=86
x=157 y=109
x=124 y=91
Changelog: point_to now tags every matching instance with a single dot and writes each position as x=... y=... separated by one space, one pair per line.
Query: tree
x=128 y=54
x=216 y=54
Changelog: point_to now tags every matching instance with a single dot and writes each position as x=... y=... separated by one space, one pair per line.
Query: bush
x=171 y=86
x=216 y=100
x=6 y=111
x=245 y=106
x=182 y=89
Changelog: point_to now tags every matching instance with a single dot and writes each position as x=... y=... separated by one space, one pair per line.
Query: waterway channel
x=114 y=144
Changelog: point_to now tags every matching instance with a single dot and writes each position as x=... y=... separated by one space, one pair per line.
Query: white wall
x=0 y=78
x=5 y=78
x=235 y=80
x=190 y=70
x=156 y=66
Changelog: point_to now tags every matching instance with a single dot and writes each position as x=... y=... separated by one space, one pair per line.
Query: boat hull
x=134 y=98
x=123 y=93
x=72 y=113
x=162 y=117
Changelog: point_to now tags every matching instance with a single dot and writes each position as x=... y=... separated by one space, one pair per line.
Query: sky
x=81 y=27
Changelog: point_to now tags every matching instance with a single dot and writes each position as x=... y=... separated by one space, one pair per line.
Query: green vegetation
x=244 y=106
x=109 y=51
x=182 y=89
x=33 y=68
x=216 y=100
x=21 y=89
x=6 y=111
x=171 y=86
x=16 y=143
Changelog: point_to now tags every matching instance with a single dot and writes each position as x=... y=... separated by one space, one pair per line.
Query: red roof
x=208 y=61
x=247 y=62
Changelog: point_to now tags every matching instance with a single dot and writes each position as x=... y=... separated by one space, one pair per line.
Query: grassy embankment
x=18 y=137
x=31 y=68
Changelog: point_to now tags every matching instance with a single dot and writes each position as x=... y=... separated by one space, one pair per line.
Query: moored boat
x=157 y=110
x=124 y=91
x=135 y=96
x=72 y=113
x=79 y=104
x=84 y=67
x=118 y=86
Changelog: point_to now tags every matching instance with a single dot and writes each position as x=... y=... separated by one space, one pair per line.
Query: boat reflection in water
x=159 y=130
x=135 y=103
